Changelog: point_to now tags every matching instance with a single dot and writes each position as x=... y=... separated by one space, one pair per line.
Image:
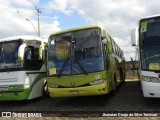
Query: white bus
x=146 y=39
x=22 y=68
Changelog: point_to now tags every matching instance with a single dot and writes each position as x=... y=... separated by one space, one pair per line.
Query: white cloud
x=14 y=23
x=22 y=3
x=60 y=5
x=17 y=3
x=48 y=29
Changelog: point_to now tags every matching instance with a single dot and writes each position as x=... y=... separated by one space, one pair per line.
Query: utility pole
x=38 y=12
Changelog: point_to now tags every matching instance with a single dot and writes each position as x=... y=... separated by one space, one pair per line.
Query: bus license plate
x=74 y=92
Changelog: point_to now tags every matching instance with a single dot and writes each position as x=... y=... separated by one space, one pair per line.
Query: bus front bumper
x=150 y=89
x=99 y=89
x=14 y=95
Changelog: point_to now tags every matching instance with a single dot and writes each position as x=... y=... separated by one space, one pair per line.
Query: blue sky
x=118 y=16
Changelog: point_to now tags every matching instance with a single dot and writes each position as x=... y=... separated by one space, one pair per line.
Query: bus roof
x=26 y=37
x=151 y=16
x=78 y=28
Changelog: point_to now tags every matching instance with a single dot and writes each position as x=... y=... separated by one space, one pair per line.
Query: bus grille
x=3 y=87
x=8 y=80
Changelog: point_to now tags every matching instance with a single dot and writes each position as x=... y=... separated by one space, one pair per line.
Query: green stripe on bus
x=15 y=95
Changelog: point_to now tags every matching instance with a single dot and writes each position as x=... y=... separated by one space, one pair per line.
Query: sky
x=118 y=17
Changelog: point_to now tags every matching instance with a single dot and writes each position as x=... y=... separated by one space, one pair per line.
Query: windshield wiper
x=82 y=68
x=64 y=64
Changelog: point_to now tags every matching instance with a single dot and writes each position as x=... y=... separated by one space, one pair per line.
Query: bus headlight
x=16 y=87
x=97 y=82
x=150 y=79
x=53 y=85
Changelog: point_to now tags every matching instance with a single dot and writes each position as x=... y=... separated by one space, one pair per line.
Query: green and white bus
x=83 y=61
x=22 y=68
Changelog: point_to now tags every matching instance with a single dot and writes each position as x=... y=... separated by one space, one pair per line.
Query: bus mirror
x=42 y=47
x=21 y=52
x=104 y=37
x=134 y=37
x=109 y=47
x=40 y=53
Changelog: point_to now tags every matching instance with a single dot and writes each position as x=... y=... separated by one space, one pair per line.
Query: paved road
x=127 y=98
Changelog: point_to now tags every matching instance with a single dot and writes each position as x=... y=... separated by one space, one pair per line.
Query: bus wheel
x=115 y=83
x=45 y=90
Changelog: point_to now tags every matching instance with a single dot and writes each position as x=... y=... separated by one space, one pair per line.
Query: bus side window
x=114 y=49
x=107 y=58
x=104 y=33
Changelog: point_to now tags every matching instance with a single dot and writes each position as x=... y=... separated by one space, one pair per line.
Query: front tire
x=45 y=90
x=115 y=83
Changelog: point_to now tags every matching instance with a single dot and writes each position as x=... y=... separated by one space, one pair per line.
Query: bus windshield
x=150 y=44
x=77 y=52
x=9 y=55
